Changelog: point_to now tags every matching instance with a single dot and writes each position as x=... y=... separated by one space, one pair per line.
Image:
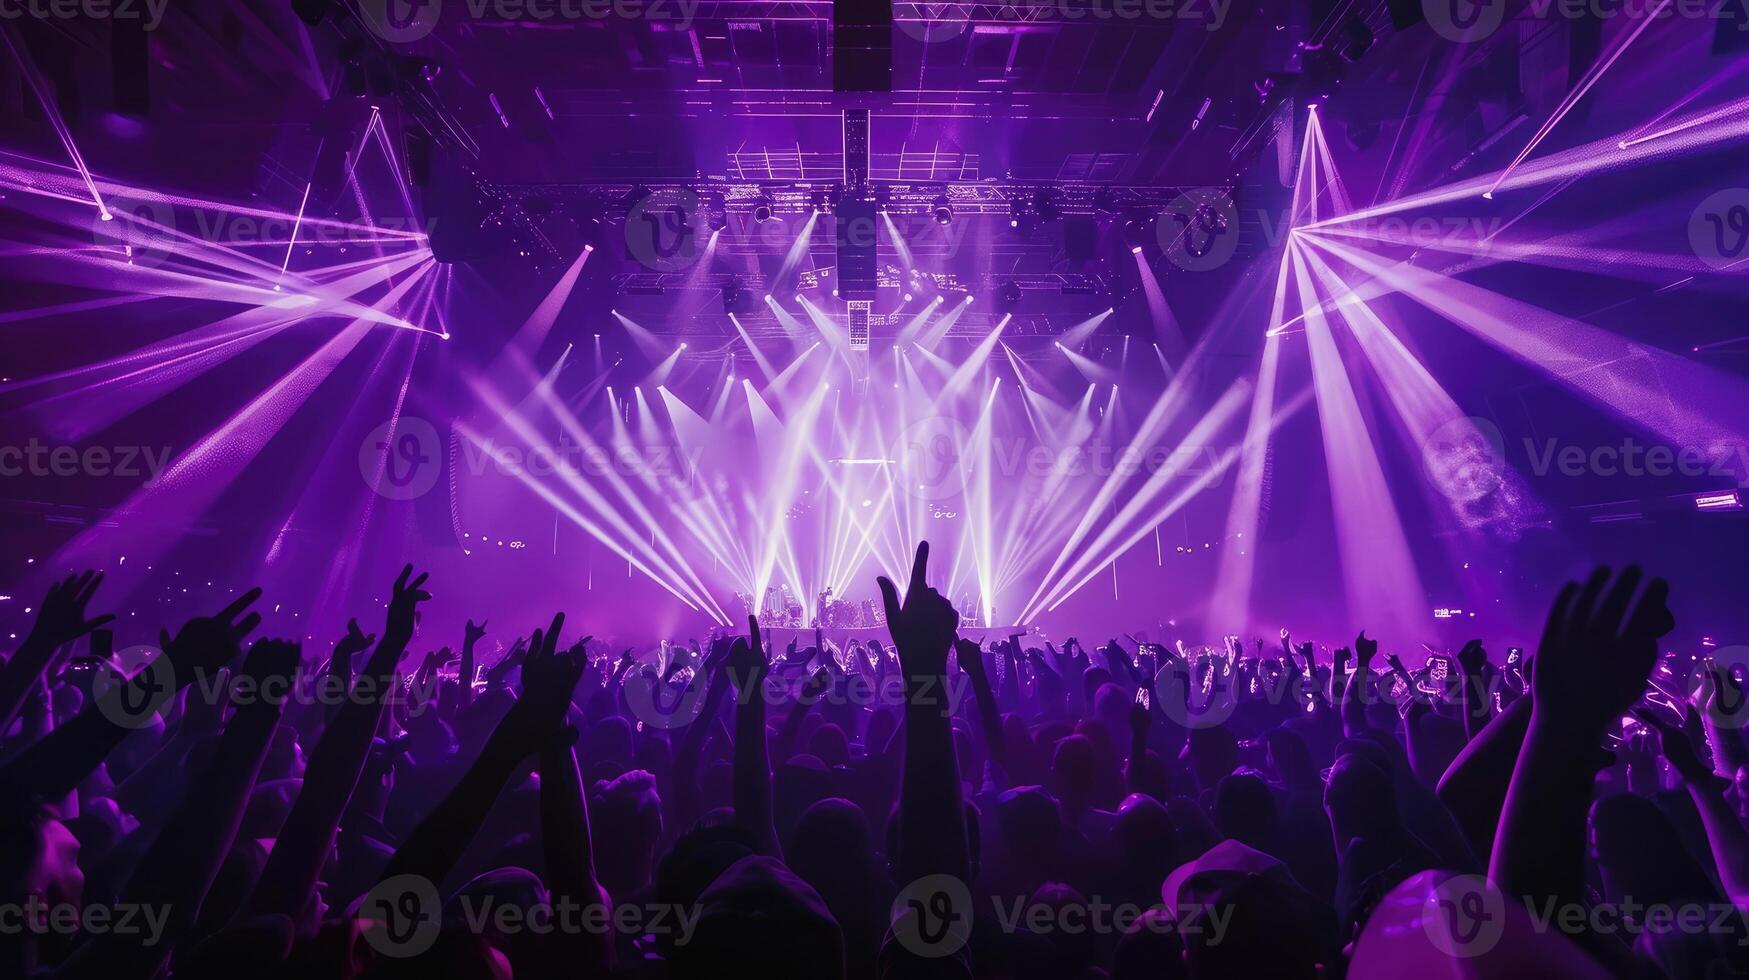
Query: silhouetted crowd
x=931 y=804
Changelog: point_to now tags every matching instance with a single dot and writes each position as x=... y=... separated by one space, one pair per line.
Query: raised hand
x=270 y=664
x=549 y=676
x=207 y=643
x=201 y=715
x=971 y=660
x=471 y=634
x=746 y=659
x=923 y=626
x=499 y=673
x=1596 y=651
x=355 y=641
x=1678 y=748
x=1141 y=716
x=61 y=618
x=1365 y=650
x=404 y=602
x=1472 y=658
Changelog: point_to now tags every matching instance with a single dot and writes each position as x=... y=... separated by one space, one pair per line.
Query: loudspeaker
x=855 y=223
x=862 y=46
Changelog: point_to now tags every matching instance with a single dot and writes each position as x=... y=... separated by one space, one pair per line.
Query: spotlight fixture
x=762 y=209
x=1008 y=295
x=1104 y=201
x=1137 y=229
x=942 y=211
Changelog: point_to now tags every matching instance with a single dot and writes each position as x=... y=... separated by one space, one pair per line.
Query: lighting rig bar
x=788 y=197
x=662 y=283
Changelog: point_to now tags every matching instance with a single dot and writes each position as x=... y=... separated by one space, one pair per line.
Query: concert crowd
x=924 y=800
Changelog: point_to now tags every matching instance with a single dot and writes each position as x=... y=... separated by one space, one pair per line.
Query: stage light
x=968 y=298
x=762 y=209
x=942 y=210
x=1728 y=500
x=683 y=345
x=907 y=297
x=1135 y=250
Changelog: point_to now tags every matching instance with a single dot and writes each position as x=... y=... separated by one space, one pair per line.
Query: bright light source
x=1728 y=500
